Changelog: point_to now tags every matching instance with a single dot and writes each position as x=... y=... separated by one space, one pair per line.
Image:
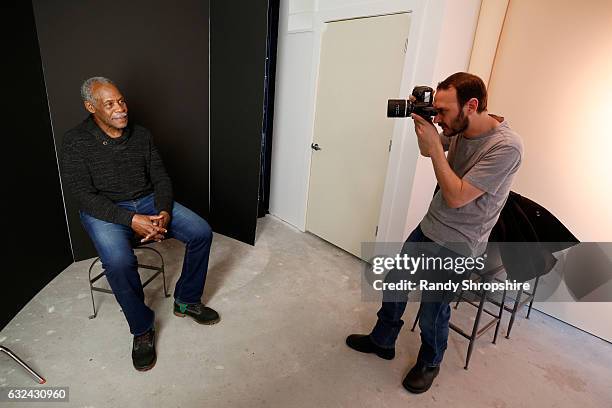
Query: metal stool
x=158 y=270
x=22 y=363
x=519 y=302
x=493 y=268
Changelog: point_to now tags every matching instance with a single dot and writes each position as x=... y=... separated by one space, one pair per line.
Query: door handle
x=315 y=146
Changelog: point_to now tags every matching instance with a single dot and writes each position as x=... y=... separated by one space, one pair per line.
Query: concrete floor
x=286 y=305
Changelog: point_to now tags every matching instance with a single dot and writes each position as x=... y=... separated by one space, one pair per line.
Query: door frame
x=429 y=45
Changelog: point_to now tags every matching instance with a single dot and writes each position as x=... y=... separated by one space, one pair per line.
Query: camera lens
x=397 y=108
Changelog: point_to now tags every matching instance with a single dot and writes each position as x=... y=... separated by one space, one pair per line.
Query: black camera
x=420 y=103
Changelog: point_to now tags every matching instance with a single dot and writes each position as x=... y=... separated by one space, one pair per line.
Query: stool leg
x=483 y=298
x=519 y=295
x=162 y=268
x=416 y=319
x=459 y=299
x=93 y=303
x=163 y=271
x=26 y=367
x=499 y=317
x=533 y=293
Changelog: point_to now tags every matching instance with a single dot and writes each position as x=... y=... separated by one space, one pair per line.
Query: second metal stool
x=23 y=364
x=477 y=330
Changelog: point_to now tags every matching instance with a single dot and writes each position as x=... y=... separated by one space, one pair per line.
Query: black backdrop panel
x=157 y=53
x=237 y=74
x=37 y=246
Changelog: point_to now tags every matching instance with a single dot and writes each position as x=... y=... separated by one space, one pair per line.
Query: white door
x=360 y=68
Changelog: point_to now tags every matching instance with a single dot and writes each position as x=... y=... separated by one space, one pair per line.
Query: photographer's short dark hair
x=468 y=86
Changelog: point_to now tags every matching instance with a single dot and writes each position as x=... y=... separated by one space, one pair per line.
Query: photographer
x=484 y=154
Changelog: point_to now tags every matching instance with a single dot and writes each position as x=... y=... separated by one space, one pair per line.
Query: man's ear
x=472 y=105
x=90 y=107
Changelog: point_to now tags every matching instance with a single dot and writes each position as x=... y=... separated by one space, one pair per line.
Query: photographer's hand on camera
x=428 y=137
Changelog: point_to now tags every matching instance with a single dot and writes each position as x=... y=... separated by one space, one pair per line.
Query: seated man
x=124 y=194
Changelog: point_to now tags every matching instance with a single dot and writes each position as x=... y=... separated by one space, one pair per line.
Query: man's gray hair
x=86 y=93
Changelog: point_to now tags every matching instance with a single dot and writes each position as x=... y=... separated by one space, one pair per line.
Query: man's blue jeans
x=114 y=245
x=433 y=320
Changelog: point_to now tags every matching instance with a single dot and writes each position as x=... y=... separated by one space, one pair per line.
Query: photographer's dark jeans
x=114 y=245
x=433 y=321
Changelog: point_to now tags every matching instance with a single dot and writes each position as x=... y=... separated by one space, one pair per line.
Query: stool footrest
x=103 y=290
x=151 y=278
x=476 y=305
x=482 y=330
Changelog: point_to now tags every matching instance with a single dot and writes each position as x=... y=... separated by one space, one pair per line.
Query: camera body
x=420 y=103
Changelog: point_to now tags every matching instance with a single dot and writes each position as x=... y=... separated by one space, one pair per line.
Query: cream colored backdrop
x=552 y=79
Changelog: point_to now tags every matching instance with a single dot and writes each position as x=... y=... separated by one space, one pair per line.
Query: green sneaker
x=199 y=312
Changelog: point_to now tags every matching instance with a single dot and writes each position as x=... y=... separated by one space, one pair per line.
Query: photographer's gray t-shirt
x=489 y=162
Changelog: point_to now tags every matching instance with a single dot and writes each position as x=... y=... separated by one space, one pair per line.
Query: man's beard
x=458 y=125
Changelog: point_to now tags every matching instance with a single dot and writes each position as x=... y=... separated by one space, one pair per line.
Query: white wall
x=458 y=22
x=299 y=15
x=490 y=24
x=292 y=119
x=440 y=43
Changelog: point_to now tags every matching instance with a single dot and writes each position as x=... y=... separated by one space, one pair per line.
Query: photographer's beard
x=457 y=125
